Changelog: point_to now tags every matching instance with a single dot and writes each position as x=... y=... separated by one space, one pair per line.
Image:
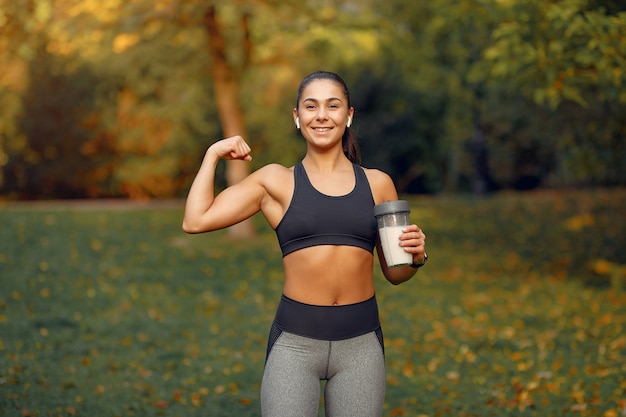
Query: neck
x=326 y=162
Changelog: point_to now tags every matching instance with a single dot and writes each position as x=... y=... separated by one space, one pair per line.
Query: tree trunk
x=481 y=166
x=226 y=82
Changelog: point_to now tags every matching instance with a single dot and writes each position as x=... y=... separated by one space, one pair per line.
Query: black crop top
x=315 y=219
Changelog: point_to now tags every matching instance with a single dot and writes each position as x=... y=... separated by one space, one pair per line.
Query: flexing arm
x=203 y=210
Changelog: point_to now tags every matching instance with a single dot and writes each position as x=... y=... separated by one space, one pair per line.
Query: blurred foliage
x=110 y=310
x=105 y=98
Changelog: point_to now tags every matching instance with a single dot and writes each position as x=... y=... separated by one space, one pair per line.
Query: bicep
x=233 y=205
x=383 y=188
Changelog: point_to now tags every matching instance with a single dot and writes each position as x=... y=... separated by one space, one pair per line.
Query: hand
x=413 y=240
x=233 y=148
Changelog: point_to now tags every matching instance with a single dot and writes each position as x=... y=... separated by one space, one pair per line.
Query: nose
x=321 y=113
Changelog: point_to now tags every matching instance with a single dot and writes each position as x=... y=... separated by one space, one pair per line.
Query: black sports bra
x=315 y=219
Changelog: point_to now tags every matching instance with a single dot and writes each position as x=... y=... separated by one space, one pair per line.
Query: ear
x=350 y=116
x=296 y=119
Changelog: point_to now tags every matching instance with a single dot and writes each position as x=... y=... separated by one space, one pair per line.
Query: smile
x=322 y=129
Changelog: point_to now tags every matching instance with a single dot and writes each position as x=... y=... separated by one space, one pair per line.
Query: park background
x=108 y=98
x=500 y=120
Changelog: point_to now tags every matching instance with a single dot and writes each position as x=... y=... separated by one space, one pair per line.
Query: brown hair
x=348 y=141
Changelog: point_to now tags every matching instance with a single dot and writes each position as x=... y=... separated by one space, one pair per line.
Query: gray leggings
x=354 y=371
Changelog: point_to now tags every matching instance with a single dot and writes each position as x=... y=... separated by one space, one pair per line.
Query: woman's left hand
x=413 y=240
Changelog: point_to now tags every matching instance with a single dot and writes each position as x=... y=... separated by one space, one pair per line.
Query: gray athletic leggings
x=353 y=368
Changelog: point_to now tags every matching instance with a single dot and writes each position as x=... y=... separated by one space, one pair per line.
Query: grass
x=521 y=311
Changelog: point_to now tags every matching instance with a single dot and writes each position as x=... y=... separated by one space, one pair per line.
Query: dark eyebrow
x=327 y=100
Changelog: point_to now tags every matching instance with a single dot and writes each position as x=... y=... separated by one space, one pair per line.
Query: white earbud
x=349 y=121
x=297 y=123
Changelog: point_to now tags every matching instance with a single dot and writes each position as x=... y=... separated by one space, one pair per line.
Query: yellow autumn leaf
x=155 y=314
x=577 y=223
x=123 y=41
x=453 y=375
x=95 y=244
x=407 y=370
x=602 y=267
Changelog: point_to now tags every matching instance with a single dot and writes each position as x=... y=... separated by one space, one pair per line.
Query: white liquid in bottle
x=390 y=242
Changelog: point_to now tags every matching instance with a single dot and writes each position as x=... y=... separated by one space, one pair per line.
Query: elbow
x=396 y=282
x=193 y=223
x=397 y=279
x=190 y=228
x=194 y=227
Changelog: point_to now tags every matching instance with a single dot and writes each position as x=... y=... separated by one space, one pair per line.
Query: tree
x=560 y=51
x=150 y=104
x=569 y=56
x=226 y=79
x=433 y=45
x=19 y=30
x=537 y=85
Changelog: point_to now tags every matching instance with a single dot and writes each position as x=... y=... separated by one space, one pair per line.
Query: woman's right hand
x=233 y=148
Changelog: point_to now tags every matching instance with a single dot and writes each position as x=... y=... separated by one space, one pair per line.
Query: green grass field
x=521 y=311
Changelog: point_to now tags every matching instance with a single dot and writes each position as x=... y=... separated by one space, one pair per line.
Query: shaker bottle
x=392 y=217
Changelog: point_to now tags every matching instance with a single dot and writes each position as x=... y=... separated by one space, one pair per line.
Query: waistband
x=327 y=322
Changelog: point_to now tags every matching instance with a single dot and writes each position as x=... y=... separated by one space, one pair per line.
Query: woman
x=326 y=325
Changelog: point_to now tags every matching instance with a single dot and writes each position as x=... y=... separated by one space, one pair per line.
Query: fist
x=232 y=148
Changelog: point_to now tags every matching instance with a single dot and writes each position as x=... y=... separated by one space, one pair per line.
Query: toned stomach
x=329 y=275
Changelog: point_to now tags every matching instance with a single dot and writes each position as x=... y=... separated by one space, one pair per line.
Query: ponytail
x=350 y=146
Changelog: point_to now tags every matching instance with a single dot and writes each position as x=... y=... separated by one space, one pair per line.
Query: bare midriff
x=329 y=275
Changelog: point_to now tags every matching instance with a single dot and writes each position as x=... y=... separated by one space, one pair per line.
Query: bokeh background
x=501 y=121
x=112 y=98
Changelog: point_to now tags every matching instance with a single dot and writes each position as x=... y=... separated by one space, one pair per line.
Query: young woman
x=322 y=209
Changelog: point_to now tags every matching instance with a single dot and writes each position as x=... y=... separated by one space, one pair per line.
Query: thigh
x=291 y=380
x=356 y=384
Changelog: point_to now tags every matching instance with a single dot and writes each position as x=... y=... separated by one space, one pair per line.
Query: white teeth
x=322 y=129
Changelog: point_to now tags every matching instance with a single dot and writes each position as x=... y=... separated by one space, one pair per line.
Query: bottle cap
x=390 y=207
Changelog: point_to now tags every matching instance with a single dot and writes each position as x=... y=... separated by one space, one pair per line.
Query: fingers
x=241 y=150
x=412 y=232
x=231 y=148
x=413 y=240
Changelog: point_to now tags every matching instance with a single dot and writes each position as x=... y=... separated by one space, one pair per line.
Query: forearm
x=398 y=275
x=201 y=194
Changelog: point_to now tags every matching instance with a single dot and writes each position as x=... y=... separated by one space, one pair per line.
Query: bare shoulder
x=273 y=173
x=276 y=179
x=277 y=168
x=278 y=183
x=376 y=176
x=381 y=184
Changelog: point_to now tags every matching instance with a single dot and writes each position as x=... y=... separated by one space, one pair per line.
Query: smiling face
x=323 y=112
